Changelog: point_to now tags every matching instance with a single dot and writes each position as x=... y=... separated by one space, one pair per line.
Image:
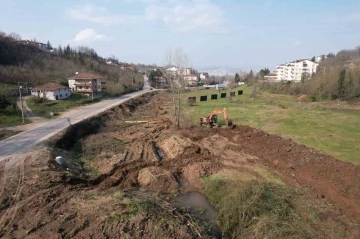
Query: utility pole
x=22 y=105
x=92 y=90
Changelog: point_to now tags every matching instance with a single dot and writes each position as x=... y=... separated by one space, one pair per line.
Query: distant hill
x=218 y=71
x=20 y=62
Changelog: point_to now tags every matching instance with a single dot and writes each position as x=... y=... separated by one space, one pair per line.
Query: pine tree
x=49 y=46
x=237 y=77
x=341 y=84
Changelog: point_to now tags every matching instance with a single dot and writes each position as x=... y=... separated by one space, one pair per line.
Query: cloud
x=99 y=15
x=298 y=43
x=88 y=35
x=178 y=15
x=186 y=15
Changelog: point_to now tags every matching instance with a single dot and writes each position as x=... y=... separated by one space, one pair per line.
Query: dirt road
x=32 y=137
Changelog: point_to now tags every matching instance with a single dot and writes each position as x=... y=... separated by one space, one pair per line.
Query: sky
x=213 y=33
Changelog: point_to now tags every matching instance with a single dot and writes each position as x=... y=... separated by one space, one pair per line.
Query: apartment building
x=293 y=71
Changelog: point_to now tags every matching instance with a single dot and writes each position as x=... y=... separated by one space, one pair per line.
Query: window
x=60 y=95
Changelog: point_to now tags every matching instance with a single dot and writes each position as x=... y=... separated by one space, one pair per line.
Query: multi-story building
x=86 y=83
x=295 y=70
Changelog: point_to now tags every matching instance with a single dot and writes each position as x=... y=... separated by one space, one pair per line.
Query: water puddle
x=198 y=205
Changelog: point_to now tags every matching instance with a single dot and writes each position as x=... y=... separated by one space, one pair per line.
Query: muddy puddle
x=198 y=205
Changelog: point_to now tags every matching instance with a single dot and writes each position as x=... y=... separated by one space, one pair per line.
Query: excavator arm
x=219 y=111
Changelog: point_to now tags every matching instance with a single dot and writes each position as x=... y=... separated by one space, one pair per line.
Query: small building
x=204 y=75
x=40 y=45
x=131 y=67
x=51 y=91
x=270 y=77
x=86 y=83
x=191 y=80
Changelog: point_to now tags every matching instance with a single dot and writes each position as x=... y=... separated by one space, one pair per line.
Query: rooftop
x=85 y=76
x=50 y=86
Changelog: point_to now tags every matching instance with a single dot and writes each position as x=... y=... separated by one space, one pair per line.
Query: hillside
x=27 y=63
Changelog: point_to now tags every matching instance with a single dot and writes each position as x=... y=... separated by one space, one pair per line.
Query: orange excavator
x=211 y=120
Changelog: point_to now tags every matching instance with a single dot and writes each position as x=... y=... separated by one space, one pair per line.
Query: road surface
x=29 y=138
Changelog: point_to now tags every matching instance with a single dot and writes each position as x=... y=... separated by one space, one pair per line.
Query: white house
x=293 y=71
x=191 y=79
x=203 y=76
x=178 y=71
x=320 y=58
x=51 y=91
x=40 y=45
x=86 y=83
x=271 y=77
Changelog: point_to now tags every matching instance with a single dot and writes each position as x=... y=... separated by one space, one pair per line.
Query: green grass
x=44 y=109
x=8 y=86
x=10 y=117
x=334 y=131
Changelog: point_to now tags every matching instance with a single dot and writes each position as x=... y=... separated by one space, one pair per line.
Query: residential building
x=320 y=58
x=191 y=80
x=271 y=77
x=176 y=71
x=51 y=91
x=86 y=83
x=131 y=67
x=40 y=45
x=295 y=70
x=204 y=75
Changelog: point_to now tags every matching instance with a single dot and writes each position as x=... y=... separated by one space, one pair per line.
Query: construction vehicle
x=212 y=119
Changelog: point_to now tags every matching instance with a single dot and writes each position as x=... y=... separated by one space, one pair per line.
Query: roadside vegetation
x=330 y=126
x=43 y=108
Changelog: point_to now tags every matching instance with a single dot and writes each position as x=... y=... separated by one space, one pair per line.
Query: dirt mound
x=175 y=146
x=194 y=172
x=158 y=180
x=303 y=98
x=328 y=177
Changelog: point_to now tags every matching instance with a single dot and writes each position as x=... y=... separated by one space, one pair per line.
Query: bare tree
x=15 y=36
x=178 y=59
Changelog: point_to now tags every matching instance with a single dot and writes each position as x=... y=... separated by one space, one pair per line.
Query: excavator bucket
x=229 y=123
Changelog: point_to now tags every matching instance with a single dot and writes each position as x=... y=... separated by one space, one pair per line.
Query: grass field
x=44 y=109
x=10 y=117
x=333 y=130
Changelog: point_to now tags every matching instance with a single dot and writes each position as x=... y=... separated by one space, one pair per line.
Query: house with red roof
x=51 y=91
x=86 y=83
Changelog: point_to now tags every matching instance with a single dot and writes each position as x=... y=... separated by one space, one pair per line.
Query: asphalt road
x=29 y=138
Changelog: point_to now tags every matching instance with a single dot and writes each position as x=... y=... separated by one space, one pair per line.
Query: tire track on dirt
x=10 y=213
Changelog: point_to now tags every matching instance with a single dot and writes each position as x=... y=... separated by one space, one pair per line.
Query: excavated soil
x=116 y=162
